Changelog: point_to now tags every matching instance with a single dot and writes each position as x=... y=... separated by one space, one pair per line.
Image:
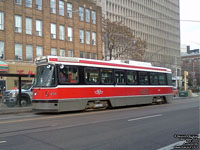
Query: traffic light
x=185 y=80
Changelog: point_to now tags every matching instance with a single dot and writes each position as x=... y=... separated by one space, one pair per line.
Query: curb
x=4 y=111
x=188 y=97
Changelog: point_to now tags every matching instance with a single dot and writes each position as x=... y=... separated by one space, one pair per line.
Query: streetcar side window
x=143 y=78
x=169 y=79
x=91 y=75
x=68 y=75
x=131 y=77
x=162 y=79
x=120 y=77
x=153 y=78
x=107 y=76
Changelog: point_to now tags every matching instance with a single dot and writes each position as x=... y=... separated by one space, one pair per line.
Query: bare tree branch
x=121 y=43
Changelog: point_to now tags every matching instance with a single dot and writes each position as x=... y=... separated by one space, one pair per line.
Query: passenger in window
x=62 y=77
x=70 y=78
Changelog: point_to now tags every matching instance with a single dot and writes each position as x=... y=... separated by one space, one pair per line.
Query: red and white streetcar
x=69 y=84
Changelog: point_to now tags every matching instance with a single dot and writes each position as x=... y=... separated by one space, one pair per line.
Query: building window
x=18 y=2
x=81 y=13
x=38 y=4
x=62 y=52
x=1 y=49
x=94 y=56
x=38 y=27
x=53 y=30
x=70 y=34
x=88 y=55
x=87 y=15
x=53 y=6
x=53 y=51
x=28 y=3
x=81 y=54
x=93 y=17
x=70 y=53
x=81 y=36
x=1 y=20
x=29 y=53
x=18 y=51
x=62 y=32
x=69 y=10
x=18 y=24
x=28 y=26
x=93 y=38
x=87 y=37
x=61 y=7
x=39 y=51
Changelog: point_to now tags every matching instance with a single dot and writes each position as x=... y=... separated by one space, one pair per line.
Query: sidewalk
x=13 y=110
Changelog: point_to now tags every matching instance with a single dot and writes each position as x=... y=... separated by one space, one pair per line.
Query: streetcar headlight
x=35 y=93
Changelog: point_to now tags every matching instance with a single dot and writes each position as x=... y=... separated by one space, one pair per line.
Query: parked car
x=175 y=92
x=11 y=97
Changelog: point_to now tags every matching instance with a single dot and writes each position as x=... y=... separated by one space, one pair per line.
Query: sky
x=190 y=30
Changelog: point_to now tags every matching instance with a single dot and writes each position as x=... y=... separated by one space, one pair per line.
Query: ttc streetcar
x=70 y=84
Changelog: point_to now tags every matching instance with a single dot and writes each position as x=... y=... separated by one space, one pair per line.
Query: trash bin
x=183 y=93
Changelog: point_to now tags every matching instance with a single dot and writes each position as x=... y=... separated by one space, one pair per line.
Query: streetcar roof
x=116 y=64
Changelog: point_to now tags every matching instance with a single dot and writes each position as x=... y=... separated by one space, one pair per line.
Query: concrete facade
x=156 y=21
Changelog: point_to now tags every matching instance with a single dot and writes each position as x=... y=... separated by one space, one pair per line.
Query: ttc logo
x=98 y=92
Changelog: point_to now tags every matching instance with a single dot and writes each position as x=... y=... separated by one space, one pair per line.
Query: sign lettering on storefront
x=30 y=72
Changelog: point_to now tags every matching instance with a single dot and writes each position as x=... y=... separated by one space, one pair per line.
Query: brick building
x=190 y=63
x=32 y=28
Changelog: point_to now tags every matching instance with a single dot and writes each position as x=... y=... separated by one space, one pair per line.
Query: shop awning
x=3 y=66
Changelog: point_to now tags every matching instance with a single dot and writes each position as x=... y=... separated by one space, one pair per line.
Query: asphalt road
x=148 y=127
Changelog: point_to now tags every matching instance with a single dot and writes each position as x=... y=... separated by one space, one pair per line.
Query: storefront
x=3 y=69
x=18 y=68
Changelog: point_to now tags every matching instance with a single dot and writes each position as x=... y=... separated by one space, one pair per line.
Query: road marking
x=2 y=142
x=145 y=117
x=172 y=146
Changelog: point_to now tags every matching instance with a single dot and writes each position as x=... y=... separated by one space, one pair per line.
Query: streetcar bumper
x=45 y=106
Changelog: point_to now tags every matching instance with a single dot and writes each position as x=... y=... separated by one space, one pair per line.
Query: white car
x=11 y=97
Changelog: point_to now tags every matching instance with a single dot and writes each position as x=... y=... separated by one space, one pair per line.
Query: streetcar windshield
x=45 y=76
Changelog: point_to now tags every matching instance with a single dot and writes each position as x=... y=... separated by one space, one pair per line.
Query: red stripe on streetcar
x=109 y=64
x=94 y=92
x=119 y=65
x=53 y=59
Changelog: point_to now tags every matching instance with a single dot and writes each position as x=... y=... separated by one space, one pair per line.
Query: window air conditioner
x=53 y=36
x=69 y=39
x=16 y=29
x=38 y=33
